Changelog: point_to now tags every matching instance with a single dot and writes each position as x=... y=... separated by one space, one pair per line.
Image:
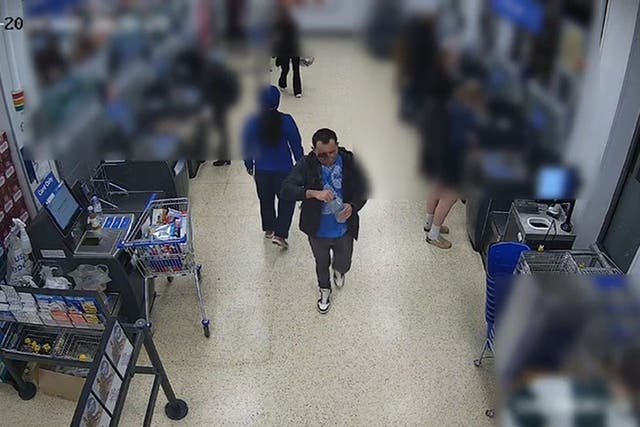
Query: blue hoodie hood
x=270 y=98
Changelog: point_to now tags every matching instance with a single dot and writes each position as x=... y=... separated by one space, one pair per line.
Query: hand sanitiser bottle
x=94 y=223
x=97 y=207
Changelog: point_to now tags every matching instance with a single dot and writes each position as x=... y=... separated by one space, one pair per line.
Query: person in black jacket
x=221 y=90
x=333 y=189
x=286 y=41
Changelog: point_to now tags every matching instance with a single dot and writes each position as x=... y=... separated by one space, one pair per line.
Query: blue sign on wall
x=46 y=188
x=524 y=13
x=36 y=8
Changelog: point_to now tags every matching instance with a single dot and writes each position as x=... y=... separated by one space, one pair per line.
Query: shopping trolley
x=165 y=257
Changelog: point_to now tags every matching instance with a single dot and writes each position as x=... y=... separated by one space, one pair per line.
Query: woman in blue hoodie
x=271 y=142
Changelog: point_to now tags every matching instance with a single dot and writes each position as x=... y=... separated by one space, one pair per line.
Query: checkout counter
x=514 y=204
x=61 y=237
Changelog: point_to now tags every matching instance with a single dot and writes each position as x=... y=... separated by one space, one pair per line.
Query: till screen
x=63 y=207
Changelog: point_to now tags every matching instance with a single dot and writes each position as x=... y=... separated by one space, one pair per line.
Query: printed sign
x=119 y=349
x=94 y=414
x=48 y=187
x=107 y=385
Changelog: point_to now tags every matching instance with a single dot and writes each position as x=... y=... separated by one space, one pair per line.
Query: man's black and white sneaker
x=338 y=279
x=324 y=303
x=279 y=241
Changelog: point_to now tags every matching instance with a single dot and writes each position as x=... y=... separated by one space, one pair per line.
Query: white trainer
x=324 y=303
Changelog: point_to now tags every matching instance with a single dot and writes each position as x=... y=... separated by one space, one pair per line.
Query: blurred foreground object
x=567 y=351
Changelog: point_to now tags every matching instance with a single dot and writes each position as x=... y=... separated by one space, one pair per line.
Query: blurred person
x=221 y=92
x=270 y=139
x=50 y=63
x=115 y=139
x=260 y=19
x=383 y=26
x=235 y=10
x=446 y=155
x=286 y=45
x=417 y=58
x=333 y=189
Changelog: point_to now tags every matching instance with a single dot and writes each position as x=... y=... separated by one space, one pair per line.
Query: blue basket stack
x=502 y=260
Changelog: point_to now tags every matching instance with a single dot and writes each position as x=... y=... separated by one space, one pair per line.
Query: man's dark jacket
x=307 y=175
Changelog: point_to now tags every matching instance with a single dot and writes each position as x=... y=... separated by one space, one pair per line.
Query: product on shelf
x=12 y=200
x=51 y=310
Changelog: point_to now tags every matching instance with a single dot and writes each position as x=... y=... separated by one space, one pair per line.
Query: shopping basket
x=167 y=253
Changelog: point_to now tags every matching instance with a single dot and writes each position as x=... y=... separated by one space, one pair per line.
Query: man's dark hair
x=324 y=136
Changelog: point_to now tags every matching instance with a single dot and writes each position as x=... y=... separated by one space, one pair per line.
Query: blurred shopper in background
x=222 y=90
x=235 y=11
x=417 y=58
x=444 y=159
x=286 y=46
x=382 y=28
x=49 y=62
x=270 y=140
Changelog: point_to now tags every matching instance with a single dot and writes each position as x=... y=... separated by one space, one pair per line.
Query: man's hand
x=323 y=196
x=346 y=212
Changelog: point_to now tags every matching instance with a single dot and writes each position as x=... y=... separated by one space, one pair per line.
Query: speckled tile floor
x=396 y=348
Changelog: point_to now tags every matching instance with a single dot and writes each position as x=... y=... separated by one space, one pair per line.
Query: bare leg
x=432 y=202
x=446 y=202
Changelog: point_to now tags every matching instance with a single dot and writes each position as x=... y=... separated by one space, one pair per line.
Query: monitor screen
x=63 y=208
x=555 y=183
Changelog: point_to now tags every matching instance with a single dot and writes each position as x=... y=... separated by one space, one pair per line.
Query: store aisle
x=398 y=344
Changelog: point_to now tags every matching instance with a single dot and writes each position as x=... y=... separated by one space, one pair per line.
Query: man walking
x=333 y=189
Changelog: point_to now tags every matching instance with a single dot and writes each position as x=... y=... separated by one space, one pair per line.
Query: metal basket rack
x=70 y=344
x=532 y=262
x=594 y=263
x=585 y=262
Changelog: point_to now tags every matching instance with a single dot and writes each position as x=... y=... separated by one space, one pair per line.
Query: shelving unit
x=109 y=353
x=66 y=344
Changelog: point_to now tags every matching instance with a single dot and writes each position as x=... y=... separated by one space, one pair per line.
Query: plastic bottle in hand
x=340 y=207
x=336 y=205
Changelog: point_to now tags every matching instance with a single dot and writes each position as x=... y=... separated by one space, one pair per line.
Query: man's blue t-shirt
x=330 y=228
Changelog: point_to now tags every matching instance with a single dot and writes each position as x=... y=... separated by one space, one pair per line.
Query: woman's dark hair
x=270 y=127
